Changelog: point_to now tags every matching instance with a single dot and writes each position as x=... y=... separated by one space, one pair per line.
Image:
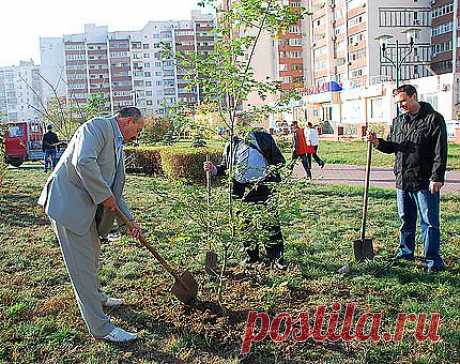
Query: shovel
x=210 y=263
x=363 y=248
x=185 y=287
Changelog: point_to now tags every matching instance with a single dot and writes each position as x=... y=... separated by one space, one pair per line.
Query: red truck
x=23 y=142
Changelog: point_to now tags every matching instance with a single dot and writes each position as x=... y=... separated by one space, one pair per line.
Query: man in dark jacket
x=49 y=144
x=254 y=158
x=418 y=138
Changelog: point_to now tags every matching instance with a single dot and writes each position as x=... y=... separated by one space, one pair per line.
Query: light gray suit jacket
x=87 y=174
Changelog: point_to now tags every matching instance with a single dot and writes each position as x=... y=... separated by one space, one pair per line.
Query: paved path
x=354 y=175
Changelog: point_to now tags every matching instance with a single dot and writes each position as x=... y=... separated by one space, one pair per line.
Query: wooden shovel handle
x=152 y=250
x=208 y=181
x=366 y=190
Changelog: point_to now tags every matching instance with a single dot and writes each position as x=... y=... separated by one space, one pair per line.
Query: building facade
x=20 y=92
x=128 y=67
x=444 y=41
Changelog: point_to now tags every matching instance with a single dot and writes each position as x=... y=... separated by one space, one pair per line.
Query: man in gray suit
x=80 y=198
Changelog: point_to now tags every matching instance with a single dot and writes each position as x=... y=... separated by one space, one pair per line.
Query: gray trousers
x=81 y=257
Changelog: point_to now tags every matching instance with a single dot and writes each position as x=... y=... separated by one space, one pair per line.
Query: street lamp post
x=400 y=57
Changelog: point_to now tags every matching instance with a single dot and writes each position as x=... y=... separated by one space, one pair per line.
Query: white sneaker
x=115 y=236
x=113 y=302
x=120 y=336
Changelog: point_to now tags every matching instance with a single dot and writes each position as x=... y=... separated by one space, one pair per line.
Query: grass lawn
x=40 y=322
x=354 y=153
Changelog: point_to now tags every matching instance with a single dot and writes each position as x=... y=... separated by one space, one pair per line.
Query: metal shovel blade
x=185 y=289
x=211 y=263
x=363 y=249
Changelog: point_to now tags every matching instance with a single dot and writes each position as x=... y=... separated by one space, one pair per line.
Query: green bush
x=144 y=159
x=173 y=162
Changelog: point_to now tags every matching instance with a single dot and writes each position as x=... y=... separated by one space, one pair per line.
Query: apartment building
x=444 y=41
x=52 y=70
x=193 y=36
x=20 y=92
x=128 y=67
x=346 y=60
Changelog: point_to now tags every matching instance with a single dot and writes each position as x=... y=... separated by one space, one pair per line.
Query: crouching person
x=253 y=159
x=80 y=198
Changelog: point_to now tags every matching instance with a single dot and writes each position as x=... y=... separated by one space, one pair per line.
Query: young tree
x=226 y=78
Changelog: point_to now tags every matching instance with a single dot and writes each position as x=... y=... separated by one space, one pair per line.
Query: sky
x=25 y=21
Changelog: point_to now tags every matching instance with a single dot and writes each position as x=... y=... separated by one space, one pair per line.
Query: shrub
x=187 y=164
x=175 y=162
x=144 y=159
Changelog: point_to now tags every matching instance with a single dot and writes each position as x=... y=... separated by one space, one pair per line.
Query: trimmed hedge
x=173 y=162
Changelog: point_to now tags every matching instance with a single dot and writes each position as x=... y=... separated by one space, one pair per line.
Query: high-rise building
x=129 y=67
x=20 y=92
x=343 y=42
x=444 y=41
x=346 y=61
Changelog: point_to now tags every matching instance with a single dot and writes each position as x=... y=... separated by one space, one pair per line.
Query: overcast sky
x=24 y=21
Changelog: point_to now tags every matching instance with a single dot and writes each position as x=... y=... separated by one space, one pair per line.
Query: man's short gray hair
x=130 y=112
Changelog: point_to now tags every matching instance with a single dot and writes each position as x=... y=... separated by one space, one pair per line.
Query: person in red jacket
x=299 y=148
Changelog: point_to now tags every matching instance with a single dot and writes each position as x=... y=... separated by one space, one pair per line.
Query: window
x=295 y=42
x=146 y=65
x=359 y=54
x=145 y=46
x=148 y=83
x=355 y=20
x=441 y=29
x=157 y=64
x=147 y=74
x=440 y=48
x=319 y=52
x=356 y=38
x=15 y=131
x=146 y=55
x=357 y=73
x=443 y=10
x=118 y=54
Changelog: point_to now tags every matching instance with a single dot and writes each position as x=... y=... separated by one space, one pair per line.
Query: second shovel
x=363 y=248
x=210 y=264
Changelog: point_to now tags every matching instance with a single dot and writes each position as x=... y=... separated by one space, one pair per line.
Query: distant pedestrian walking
x=299 y=148
x=312 y=139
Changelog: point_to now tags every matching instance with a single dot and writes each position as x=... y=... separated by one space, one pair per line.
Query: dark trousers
x=273 y=242
x=315 y=157
x=427 y=206
x=304 y=158
x=50 y=154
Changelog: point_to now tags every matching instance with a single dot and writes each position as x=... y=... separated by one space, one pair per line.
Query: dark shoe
x=428 y=266
x=322 y=165
x=249 y=262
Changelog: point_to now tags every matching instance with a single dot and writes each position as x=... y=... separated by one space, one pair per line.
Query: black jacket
x=420 y=146
x=49 y=138
x=273 y=156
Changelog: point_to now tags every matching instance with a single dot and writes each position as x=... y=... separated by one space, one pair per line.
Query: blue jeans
x=50 y=154
x=427 y=206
